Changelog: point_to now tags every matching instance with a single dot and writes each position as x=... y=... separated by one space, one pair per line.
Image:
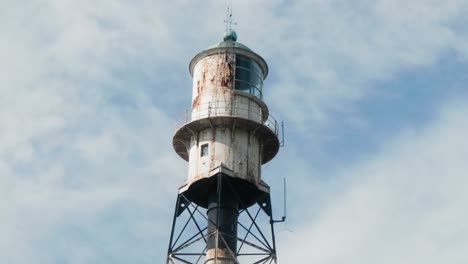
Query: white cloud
x=69 y=154
x=82 y=135
x=404 y=205
x=324 y=53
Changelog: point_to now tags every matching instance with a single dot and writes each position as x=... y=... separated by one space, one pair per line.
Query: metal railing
x=272 y=124
x=252 y=89
x=225 y=108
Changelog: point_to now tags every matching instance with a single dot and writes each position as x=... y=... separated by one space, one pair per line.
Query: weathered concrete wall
x=234 y=148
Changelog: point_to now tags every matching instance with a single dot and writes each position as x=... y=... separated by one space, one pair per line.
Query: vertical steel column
x=222 y=223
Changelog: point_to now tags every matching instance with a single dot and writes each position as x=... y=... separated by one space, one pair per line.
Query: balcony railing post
x=205 y=110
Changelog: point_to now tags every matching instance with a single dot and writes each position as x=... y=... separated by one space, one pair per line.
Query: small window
x=204 y=150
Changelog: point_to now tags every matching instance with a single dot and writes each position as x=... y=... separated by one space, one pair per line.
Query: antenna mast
x=229 y=21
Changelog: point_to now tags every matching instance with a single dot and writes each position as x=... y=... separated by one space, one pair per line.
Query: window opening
x=204 y=150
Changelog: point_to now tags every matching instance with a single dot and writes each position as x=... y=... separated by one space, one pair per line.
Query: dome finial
x=229 y=34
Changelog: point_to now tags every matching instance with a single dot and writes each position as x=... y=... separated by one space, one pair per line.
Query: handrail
x=213 y=109
x=272 y=124
x=251 y=90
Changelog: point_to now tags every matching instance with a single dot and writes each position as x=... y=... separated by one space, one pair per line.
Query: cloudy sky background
x=373 y=94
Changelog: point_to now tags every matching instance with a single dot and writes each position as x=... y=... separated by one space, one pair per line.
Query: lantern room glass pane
x=249 y=76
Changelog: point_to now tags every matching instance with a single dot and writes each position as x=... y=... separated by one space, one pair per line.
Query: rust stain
x=197 y=99
x=200 y=85
x=226 y=75
x=204 y=75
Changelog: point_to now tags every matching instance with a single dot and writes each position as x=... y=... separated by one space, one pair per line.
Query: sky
x=373 y=95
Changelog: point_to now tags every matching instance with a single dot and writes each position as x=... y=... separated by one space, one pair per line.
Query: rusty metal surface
x=213 y=74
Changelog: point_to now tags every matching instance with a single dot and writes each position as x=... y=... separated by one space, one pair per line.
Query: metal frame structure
x=255 y=244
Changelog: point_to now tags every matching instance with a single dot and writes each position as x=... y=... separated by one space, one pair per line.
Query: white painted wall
x=234 y=148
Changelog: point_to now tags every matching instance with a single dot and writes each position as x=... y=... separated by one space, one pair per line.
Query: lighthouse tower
x=226 y=137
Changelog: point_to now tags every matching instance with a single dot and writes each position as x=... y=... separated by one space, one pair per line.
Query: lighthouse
x=226 y=136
